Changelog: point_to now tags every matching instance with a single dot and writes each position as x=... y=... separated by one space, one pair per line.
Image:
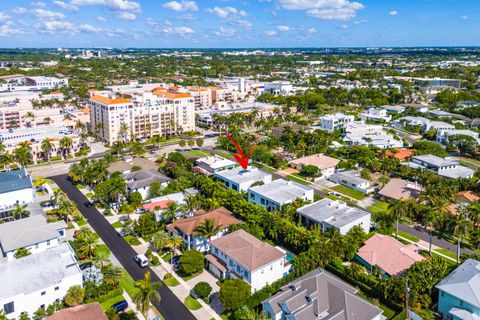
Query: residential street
x=170 y=307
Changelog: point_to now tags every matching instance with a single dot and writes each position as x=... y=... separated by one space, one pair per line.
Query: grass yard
x=117 y=224
x=471 y=163
x=265 y=167
x=132 y=240
x=198 y=153
x=81 y=222
x=127 y=283
x=446 y=253
x=186 y=278
x=407 y=236
x=223 y=153
x=378 y=207
x=107 y=305
x=387 y=312
x=171 y=282
x=349 y=192
x=192 y=304
x=295 y=178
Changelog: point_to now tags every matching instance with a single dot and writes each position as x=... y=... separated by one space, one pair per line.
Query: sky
x=238 y=23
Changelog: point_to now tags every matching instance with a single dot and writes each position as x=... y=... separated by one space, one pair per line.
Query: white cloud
x=464 y=17
x=181 y=6
x=90 y=29
x=38 y=4
x=151 y=22
x=112 y=4
x=240 y=23
x=224 y=32
x=393 y=12
x=187 y=16
x=344 y=26
x=271 y=33
x=312 y=30
x=128 y=16
x=53 y=26
x=184 y=30
x=223 y=12
x=9 y=28
x=19 y=10
x=101 y=19
x=4 y=17
x=47 y=14
x=65 y=6
x=324 y=9
x=283 y=28
x=243 y=13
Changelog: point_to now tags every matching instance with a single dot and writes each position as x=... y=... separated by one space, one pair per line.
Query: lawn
x=127 y=283
x=81 y=222
x=446 y=253
x=297 y=179
x=198 y=153
x=107 y=305
x=186 y=278
x=171 y=282
x=132 y=240
x=265 y=167
x=117 y=224
x=471 y=163
x=407 y=236
x=349 y=192
x=192 y=303
x=378 y=206
x=223 y=153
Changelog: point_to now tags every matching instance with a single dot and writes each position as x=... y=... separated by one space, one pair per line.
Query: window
x=56 y=288
x=36 y=246
x=262 y=201
x=48 y=242
x=43 y=293
x=9 y=307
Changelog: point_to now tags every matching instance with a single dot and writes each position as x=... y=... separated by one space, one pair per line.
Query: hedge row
x=108 y=296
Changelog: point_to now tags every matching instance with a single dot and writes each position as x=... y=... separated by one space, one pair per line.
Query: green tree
x=182 y=144
x=207 y=229
x=135 y=199
x=191 y=262
x=47 y=148
x=112 y=275
x=191 y=143
x=66 y=143
x=234 y=294
x=160 y=240
x=146 y=290
x=310 y=171
x=423 y=147
x=202 y=289
x=200 y=142
x=101 y=258
x=137 y=149
x=155 y=190
x=399 y=210
x=20 y=211
x=146 y=224
x=88 y=245
x=464 y=143
x=22 y=252
x=460 y=229
x=74 y=296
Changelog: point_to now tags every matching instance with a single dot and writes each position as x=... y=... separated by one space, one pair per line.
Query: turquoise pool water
x=290 y=256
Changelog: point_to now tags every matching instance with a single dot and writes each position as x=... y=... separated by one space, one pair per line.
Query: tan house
x=325 y=163
x=397 y=189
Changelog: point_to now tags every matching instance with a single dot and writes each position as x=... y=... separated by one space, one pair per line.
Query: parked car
x=120 y=306
x=141 y=260
x=141 y=210
x=88 y=204
x=333 y=193
x=176 y=261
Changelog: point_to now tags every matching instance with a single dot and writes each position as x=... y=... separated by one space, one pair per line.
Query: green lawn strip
x=408 y=236
x=192 y=303
x=117 y=224
x=223 y=153
x=132 y=240
x=81 y=222
x=297 y=179
x=265 y=167
x=198 y=153
x=378 y=206
x=471 y=163
x=349 y=192
x=128 y=284
x=188 y=277
x=446 y=253
x=107 y=305
x=171 y=282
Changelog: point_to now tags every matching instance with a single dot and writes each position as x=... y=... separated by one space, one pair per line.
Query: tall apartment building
x=202 y=97
x=160 y=112
x=221 y=94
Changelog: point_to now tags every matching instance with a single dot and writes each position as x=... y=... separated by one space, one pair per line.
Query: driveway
x=209 y=278
x=169 y=306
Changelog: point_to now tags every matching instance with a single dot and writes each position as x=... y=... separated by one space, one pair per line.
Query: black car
x=120 y=306
x=176 y=261
x=88 y=204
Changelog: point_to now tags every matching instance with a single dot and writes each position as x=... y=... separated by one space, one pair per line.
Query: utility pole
x=407 y=291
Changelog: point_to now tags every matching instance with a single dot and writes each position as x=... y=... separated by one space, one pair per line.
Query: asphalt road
x=170 y=306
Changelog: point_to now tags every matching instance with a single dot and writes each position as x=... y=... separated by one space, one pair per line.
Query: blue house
x=459 y=293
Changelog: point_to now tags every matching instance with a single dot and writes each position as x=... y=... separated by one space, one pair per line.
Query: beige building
x=202 y=97
x=160 y=112
x=221 y=94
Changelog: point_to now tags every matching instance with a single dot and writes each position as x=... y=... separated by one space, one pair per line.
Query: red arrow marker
x=240 y=157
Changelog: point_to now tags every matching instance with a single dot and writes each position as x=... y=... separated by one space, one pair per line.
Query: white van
x=142 y=260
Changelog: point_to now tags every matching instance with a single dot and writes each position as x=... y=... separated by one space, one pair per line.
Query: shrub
x=234 y=294
x=148 y=253
x=155 y=261
x=191 y=262
x=167 y=276
x=202 y=289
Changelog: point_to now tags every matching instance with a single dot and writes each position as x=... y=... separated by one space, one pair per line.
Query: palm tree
x=66 y=144
x=429 y=220
x=207 y=229
x=398 y=209
x=101 y=259
x=47 y=148
x=20 y=211
x=123 y=131
x=146 y=290
x=137 y=149
x=57 y=195
x=79 y=126
x=160 y=240
x=460 y=229
x=83 y=233
x=112 y=275
x=88 y=245
x=175 y=242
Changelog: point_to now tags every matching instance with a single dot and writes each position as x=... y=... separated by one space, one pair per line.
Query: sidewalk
x=183 y=290
x=424 y=245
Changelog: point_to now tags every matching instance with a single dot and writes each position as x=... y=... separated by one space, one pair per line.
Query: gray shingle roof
x=29 y=231
x=14 y=180
x=334 y=212
x=144 y=178
x=37 y=271
x=352 y=176
x=320 y=295
x=464 y=282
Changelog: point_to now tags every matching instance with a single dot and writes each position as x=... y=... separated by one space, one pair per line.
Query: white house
x=240 y=179
x=187 y=227
x=241 y=255
x=15 y=187
x=446 y=167
x=38 y=280
x=444 y=135
x=365 y=135
x=332 y=122
x=32 y=233
x=353 y=180
x=211 y=164
x=319 y=295
x=335 y=214
x=274 y=195
x=376 y=114
x=141 y=180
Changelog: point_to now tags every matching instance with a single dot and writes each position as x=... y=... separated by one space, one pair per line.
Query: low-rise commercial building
x=335 y=214
x=274 y=195
x=38 y=280
x=241 y=255
x=240 y=179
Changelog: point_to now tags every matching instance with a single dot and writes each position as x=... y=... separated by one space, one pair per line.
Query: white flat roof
x=240 y=175
x=281 y=190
